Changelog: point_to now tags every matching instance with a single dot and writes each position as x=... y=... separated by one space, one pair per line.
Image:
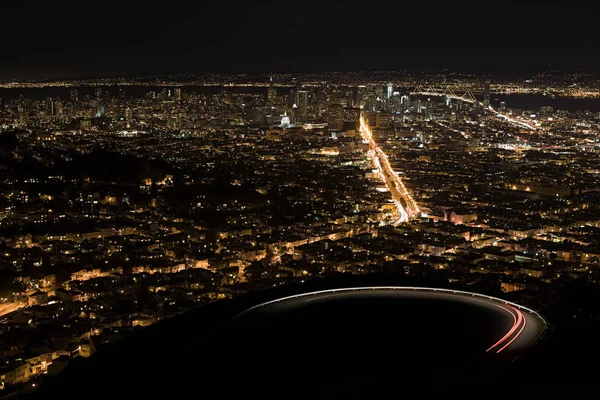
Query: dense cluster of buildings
x=123 y=205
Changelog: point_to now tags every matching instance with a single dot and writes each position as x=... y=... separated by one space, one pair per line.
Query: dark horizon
x=477 y=70
x=56 y=40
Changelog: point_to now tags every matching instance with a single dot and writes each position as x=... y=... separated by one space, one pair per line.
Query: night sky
x=104 y=38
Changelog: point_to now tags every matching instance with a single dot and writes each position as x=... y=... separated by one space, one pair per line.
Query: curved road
x=517 y=329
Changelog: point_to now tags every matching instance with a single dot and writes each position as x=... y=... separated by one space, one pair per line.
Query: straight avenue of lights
x=390 y=177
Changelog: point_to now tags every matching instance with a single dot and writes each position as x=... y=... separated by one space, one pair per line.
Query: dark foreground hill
x=340 y=351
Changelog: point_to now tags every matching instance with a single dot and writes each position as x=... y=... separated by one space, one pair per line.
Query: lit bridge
x=468 y=97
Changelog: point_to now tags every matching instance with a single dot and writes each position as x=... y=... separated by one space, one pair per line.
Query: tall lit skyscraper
x=335 y=117
x=390 y=90
x=486 y=94
x=23 y=116
x=405 y=101
x=51 y=106
x=128 y=117
x=361 y=95
x=271 y=95
x=302 y=103
x=59 y=108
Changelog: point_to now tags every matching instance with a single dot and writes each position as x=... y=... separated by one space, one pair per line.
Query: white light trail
x=516 y=310
x=512 y=120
